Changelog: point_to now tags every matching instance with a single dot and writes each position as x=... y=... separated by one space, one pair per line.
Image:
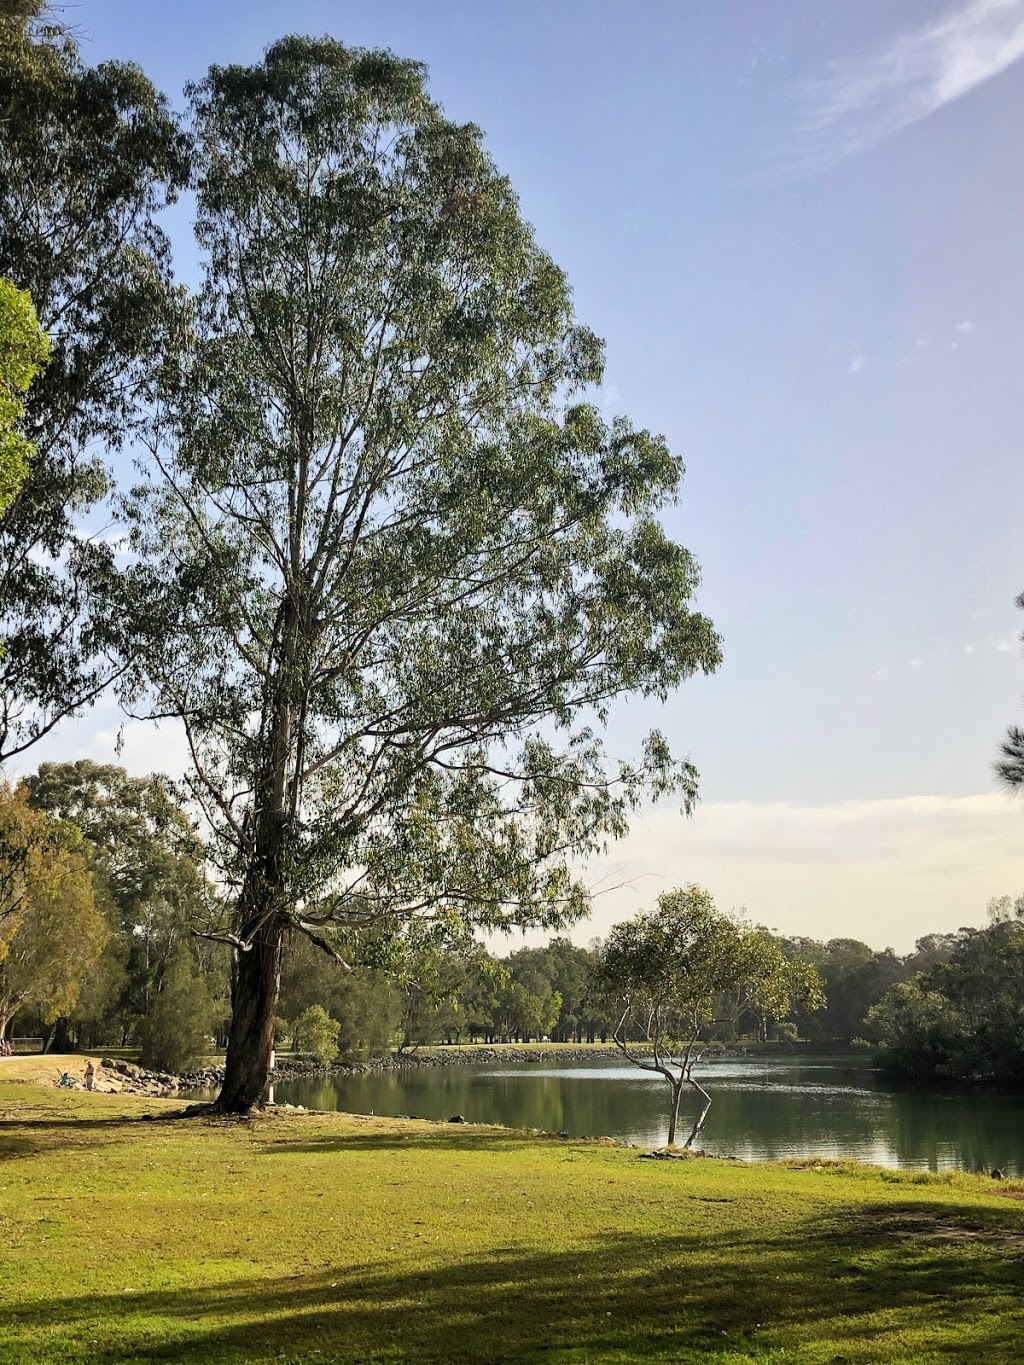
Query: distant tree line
x=103 y=879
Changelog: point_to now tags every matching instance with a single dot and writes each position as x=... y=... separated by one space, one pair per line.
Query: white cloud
x=966 y=327
x=857 y=364
x=968 y=649
x=609 y=397
x=1005 y=646
x=862 y=100
x=886 y=871
x=916 y=663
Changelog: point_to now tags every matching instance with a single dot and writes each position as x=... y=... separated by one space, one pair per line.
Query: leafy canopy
x=90 y=155
x=395 y=567
x=670 y=968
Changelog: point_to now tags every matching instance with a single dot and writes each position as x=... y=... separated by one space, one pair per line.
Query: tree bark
x=262 y=902
x=254 y=991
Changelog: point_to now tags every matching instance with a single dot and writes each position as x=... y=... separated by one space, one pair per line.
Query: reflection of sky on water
x=769 y=1109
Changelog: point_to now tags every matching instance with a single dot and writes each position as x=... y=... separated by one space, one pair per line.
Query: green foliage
x=855 y=977
x=918 y=1033
x=316 y=1034
x=363 y=1000
x=670 y=968
x=1010 y=763
x=149 y=876
x=89 y=157
x=51 y=932
x=175 y=1034
x=24 y=350
x=965 y=1017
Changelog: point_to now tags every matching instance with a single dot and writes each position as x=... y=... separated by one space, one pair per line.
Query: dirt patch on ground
x=934 y=1227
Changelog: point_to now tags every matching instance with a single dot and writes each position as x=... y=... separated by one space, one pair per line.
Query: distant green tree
x=176 y=1032
x=854 y=976
x=668 y=971
x=919 y=1032
x=929 y=951
x=965 y=1017
x=364 y=999
x=149 y=874
x=51 y=932
x=316 y=1034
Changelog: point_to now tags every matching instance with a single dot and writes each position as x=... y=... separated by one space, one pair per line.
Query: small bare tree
x=667 y=972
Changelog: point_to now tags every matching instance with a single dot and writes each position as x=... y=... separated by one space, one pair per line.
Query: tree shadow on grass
x=437 y=1137
x=21 y=1136
x=945 y=1278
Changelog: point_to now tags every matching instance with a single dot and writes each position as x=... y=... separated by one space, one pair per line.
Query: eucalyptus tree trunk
x=255 y=985
x=263 y=902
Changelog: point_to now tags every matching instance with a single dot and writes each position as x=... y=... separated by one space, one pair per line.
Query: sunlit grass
x=131 y=1235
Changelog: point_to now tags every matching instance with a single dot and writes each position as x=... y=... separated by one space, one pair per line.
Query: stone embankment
x=125 y=1077
x=121 y=1077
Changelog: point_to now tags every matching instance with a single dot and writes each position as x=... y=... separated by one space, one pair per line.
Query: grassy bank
x=130 y=1235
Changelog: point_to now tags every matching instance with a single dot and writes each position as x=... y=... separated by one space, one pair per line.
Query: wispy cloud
x=609 y=397
x=886 y=870
x=860 y=101
x=857 y=364
x=966 y=327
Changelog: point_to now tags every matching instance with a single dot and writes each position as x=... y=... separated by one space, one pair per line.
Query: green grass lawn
x=318 y=1238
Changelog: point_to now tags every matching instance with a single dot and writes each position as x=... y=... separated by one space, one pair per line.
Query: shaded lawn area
x=305 y=1238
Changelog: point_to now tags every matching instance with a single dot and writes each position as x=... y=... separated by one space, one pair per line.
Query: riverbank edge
x=118 y=1075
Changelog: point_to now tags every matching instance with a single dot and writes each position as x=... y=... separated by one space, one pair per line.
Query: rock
x=563 y=1134
x=457 y=1118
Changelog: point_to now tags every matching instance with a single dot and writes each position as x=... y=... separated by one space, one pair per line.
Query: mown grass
x=132 y=1235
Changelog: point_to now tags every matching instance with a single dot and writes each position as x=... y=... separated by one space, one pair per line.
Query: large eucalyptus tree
x=393 y=568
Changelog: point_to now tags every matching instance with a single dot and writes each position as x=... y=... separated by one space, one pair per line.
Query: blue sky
x=797 y=225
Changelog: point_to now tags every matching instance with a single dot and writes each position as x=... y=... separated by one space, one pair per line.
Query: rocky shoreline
x=119 y=1076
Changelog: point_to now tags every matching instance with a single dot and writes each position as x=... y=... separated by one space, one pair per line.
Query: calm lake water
x=766 y=1109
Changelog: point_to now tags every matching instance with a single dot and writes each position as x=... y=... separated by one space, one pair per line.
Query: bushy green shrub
x=316 y=1033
